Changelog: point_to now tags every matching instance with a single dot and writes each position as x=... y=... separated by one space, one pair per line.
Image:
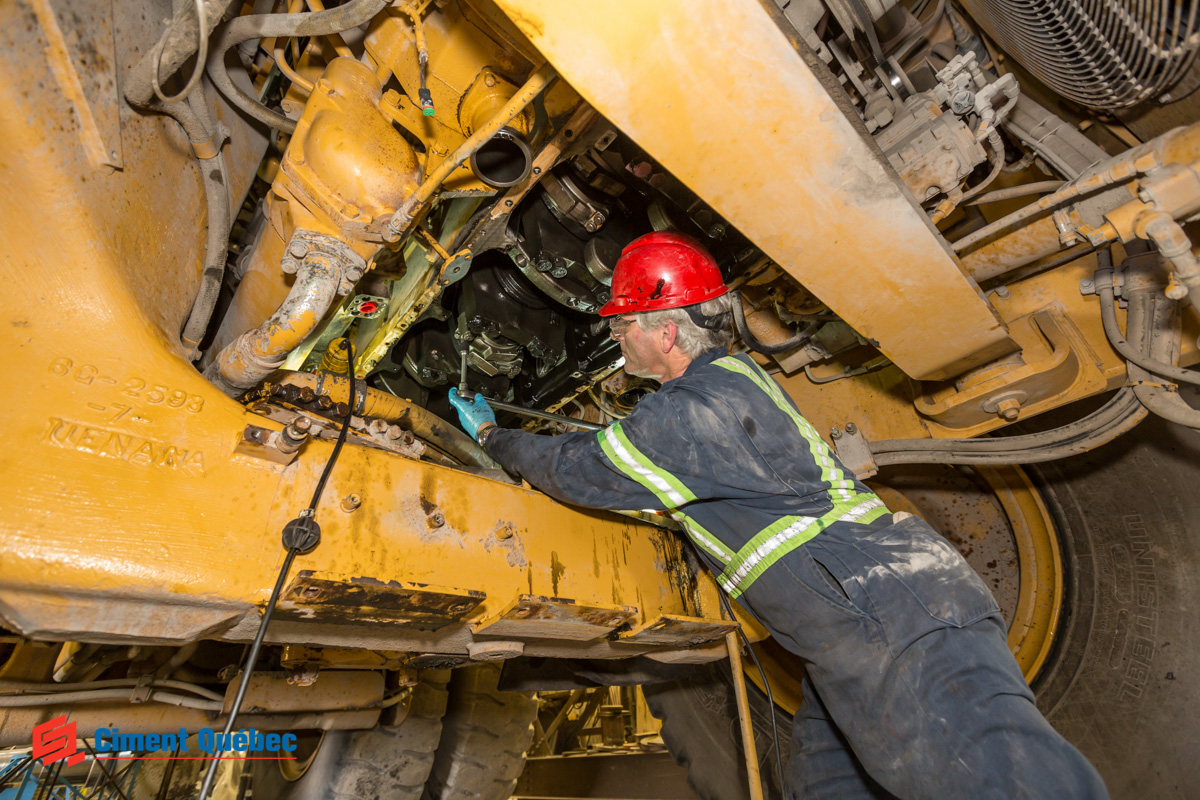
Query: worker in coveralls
x=910 y=688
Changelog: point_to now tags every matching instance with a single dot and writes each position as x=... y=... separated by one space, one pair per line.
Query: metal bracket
x=854 y=451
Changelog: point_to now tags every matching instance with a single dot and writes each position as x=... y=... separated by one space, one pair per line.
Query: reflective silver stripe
x=704 y=539
x=650 y=477
x=732 y=582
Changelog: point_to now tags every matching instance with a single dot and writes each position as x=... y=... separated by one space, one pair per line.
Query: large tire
x=381 y=763
x=1123 y=683
x=485 y=736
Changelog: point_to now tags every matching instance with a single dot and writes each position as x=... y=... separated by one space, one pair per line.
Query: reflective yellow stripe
x=701 y=537
x=786 y=534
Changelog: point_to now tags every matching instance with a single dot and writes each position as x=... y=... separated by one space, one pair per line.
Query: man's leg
x=946 y=712
x=822 y=766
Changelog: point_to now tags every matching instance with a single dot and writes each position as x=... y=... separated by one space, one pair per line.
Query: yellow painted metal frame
x=718 y=95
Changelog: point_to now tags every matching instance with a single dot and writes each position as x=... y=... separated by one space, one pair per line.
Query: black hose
x=1118 y=416
x=739 y=318
x=264 y=26
x=1108 y=315
x=215 y=176
x=193 y=117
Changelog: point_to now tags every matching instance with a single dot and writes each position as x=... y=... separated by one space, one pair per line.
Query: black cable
x=766 y=685
x=739 y=318
x=299 y=536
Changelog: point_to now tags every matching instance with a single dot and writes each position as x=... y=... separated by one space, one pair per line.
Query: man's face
x=642 y=349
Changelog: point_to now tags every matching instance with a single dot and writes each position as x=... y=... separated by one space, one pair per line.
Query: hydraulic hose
x=264 y=26
x=752 y=341
x=205 y=138
x=215 y=175
x=1118 y=416
x=1108 y=315
x=178 y=43
x=1152 y=318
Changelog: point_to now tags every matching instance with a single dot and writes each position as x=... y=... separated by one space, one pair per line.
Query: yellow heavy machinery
x=962 y=233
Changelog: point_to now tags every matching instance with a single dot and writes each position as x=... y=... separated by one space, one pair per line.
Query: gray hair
x=691 y=338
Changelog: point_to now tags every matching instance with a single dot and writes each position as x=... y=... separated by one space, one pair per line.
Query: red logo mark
x=54 y=741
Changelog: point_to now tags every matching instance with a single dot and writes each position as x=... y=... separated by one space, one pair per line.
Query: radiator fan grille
x=1104 y=54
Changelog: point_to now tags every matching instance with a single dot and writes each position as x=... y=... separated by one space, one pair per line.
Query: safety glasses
x=617 y=326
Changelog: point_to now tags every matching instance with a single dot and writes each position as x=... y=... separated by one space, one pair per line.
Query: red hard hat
x=663 y=270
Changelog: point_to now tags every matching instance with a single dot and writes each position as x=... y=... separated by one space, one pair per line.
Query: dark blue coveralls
x=910 y=687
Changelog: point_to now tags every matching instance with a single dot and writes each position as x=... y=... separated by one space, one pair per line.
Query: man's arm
x=646 y=461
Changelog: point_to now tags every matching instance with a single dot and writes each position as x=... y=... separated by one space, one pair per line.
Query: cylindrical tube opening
x=503 y=161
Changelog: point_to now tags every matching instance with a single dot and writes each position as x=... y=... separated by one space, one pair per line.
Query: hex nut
x=1009 y=409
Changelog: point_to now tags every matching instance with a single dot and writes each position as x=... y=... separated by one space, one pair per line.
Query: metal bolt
x=1145 y=196
x=1009 y=409
x=505 y=532
x=350 y=503
x=544 y=265
x=851 y=428
x=835 y=432
x=305 y=395
x=558 y=272
x=302 y=424
x=377 y=427
x=1002 y=292
x=394 y=431
x=289 y=266
x=436 y=520
x=537 y=170
x=297 y=249
x=324 y=402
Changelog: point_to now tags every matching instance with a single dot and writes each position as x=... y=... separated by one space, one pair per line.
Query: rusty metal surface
x=762 y=140
x=678 y=631
x=333 y=690
x=359 y=600
x=535 y=617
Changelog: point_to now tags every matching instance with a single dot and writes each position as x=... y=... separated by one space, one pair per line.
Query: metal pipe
x=263 y=26
x=257 y=353
x=26 y=701
x=536 y=414
x=743 y=706
x=17 y=688
x=291 y=74
x=1013 y=192
x=401 y=222
x=1171 y=240
x=1151 y=322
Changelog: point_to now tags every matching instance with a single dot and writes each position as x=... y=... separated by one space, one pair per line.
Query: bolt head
x=1009 y=409
x=558 y=272
x=289 y=266
x=436 y=520
x=297 y=249
x=851 y=428
x=835 y=432
x=302 y=424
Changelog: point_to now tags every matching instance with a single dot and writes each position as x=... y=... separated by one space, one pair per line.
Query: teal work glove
x=472 y=413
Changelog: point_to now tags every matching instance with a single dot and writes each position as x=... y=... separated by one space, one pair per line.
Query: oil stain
x=556 y=571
